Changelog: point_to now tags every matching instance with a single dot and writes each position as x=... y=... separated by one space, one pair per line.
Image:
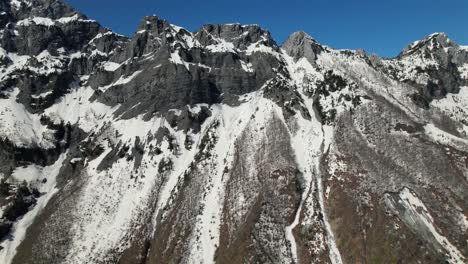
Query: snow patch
x=110 y=66
x=246 y=66
x=261 y=47
x=45 y=21
x=17 y=3
x=42 y=95
x=21 y=127
x=76 y=17
x=220 y=46
x=76 y=108
x=442 y=137
x=42 y=64
x=176 y=59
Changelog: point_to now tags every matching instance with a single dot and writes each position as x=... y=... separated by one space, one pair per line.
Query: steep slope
x=385 y=145
x=221 y=146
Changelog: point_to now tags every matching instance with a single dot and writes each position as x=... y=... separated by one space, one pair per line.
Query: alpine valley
x=220 y=146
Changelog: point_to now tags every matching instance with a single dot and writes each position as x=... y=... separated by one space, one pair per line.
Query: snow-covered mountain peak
x=432 y=43
x=435 y=64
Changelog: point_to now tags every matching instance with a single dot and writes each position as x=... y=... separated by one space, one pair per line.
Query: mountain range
x=221 y=146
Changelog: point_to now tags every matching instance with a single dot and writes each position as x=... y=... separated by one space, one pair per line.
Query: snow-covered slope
x=221 y=146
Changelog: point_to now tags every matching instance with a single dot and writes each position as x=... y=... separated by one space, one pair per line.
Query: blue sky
x=381 y=26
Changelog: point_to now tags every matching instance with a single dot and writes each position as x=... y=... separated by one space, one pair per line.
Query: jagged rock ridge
x=222 y=146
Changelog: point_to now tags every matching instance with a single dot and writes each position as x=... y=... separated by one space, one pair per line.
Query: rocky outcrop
x=300 y=45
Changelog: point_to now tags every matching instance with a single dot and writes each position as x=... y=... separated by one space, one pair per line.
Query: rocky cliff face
x=221 y=146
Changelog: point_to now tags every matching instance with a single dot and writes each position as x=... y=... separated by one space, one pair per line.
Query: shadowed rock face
x=220 y=146
x=174 y=67
x=32 y=36
x=52 y=44
x=241 y=36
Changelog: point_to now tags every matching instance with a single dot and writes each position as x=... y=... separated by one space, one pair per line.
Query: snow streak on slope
x=32 y=173
x=104 y=224
x=113 y=199
x=110 y=203
x=232 y=121
x=335 y=255
x=305 y=133
x=122 y=80
x=445 y=138
x=308 y=141
x=417 y=216
x=181 y=164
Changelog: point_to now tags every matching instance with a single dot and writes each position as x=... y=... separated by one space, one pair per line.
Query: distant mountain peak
x=433 y=42
x=153 y=23
x=300 y=44
x=301 y=36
